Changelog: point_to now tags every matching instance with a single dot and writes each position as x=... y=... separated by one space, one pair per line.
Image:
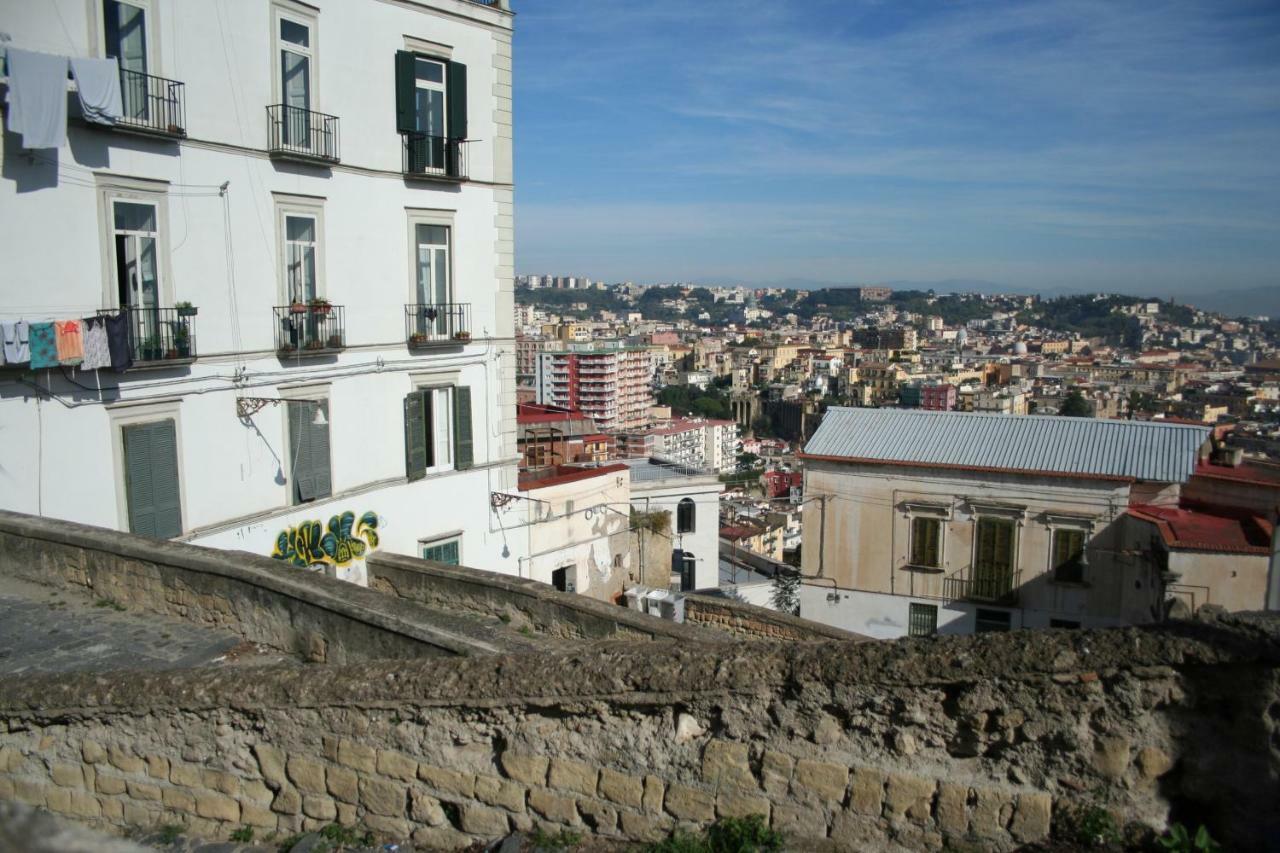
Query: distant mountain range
x=1251 y=301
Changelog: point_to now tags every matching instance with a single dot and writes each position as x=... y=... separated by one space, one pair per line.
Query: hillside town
x=756 y=386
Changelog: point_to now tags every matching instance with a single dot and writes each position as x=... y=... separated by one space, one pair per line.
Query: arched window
x=685 y=516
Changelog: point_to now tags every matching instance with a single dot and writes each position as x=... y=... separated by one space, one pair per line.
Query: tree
x=786 y=591
x=747 y=461
x=1138 y=402
x=1074 y=405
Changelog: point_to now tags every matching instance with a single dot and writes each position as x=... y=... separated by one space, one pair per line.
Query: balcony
x=992 y=587
x=310 y=329
x=433 y=158
x=152 y=105
x=302 y=135
x=159 y=337
x=437 y=324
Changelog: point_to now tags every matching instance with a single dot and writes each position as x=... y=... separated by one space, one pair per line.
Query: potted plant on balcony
x=151 y=349
x=186 y=309
x=297 y=307
x=320 y=305
x=417 y=339
x=335 y=341
x=315 y=343
x=462 y=336
x=287 y=347
x=182 y=340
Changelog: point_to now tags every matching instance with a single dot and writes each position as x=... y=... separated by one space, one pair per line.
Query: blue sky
x=1042 y=145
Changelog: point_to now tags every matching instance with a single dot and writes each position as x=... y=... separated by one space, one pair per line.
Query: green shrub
x=749 y=834
x=1180 y=840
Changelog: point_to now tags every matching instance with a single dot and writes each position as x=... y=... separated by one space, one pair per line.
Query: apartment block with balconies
x=306 y=261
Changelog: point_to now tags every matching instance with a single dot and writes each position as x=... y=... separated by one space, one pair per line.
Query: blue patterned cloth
x=44 y=346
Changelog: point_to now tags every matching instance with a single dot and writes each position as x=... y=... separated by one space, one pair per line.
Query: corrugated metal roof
x=1142 y=450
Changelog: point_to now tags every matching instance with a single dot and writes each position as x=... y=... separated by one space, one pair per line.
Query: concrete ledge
x=741 y=618
x=264 y=600
x=543 y=608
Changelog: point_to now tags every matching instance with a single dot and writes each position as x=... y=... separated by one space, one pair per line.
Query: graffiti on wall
x=342 y=542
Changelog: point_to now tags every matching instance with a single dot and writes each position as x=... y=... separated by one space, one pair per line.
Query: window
x=684 y=565
x=309 y=451
x=431 y=279
x=300 y=258
x=295 y=69
x=124 y=27
x=926 y=542
x=686 y=516
x=564 y=579
x=1063 y=623
x=1068 y=555
x=431 y=110
x=992 y=620
x=437 y=430
x=922 y=620
x=151 y=479
x=993 y=557
x=135 y=232
x=447 y=551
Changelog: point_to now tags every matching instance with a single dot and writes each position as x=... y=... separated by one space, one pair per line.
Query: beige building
x=946 y=522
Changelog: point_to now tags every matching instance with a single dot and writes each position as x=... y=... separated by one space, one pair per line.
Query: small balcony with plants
x=302 y=135
x=999 y=586
x=160 y=337
x=311 y=328
x=439 y=324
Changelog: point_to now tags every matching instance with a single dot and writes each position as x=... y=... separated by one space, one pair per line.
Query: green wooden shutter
x=320 y=456
x=300 y=453
x=456 y=94
x=406 y=106
x=463 y=446
x=415 y=436
x=151 y=479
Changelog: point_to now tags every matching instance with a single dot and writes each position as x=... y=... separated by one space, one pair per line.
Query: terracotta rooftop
x=1187 y=529
x=1246 y=472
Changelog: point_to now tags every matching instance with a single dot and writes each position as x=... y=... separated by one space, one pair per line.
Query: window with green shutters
x=448 y=551
x=922 y=620
x=993 y=557
x=151 y=479
x=438 y=430
x=1068 y=555
x=926 y=542
x=309 y=451
x=431 y=109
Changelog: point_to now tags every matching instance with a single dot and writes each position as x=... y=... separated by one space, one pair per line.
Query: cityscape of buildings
x=273 y=308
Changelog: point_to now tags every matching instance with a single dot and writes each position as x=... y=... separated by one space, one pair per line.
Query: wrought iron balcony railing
x=994 y=586
x=433 y=157
x=152 y=104
x=437 y=324
x=310 y=329
x=159 y=335
x=295 y=133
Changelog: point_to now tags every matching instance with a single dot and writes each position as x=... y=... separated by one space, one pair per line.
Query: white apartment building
x=300 y=225
x=705 y=444
x=606 y=380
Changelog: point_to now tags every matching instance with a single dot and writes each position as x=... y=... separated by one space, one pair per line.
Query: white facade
x=235 y=253
x=694 y=534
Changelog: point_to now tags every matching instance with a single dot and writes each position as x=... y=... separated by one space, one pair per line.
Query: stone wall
x=265 y=601
x=564 y=615
x=749 y=620
x=842 y=745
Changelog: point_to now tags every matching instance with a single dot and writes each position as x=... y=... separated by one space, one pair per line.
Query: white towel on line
x=98 y=81
x=38 y=98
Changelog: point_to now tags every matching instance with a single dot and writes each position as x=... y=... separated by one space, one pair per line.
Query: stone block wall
x=749 y=620
x=904 y=745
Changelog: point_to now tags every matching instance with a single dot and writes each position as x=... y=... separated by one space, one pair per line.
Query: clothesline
x=89 y=343
x=38 y=94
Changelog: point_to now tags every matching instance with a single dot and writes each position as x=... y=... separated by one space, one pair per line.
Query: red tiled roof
x=1246 y=472
x=563 y=474
x=1195 y=530
x=738 y=532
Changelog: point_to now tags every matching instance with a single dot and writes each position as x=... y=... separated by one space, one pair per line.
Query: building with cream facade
x=308 y=264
